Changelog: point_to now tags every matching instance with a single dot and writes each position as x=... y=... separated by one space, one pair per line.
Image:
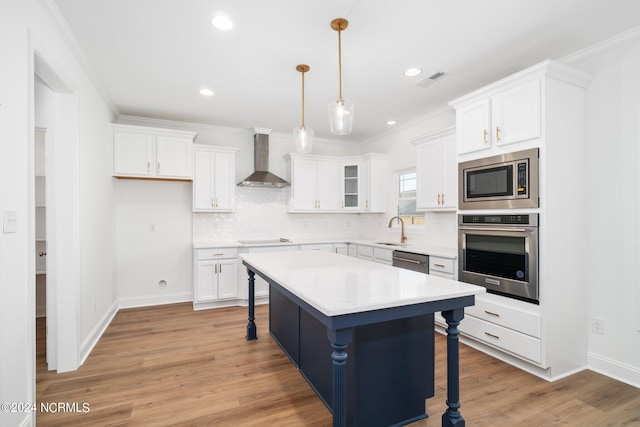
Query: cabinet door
x=351 y=186
x=449 y=173
x=303 y=183
x=428 y=175
x=328 y=185
x=227 y=278
x=376 y=181
x=515 y=114
x=133 y=154
x=224 y=181
x=203 y=181
x=173 y=157
x=206 y=283
x=473 y=127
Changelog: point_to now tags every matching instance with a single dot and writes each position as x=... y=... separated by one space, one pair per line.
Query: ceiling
x=152 y=57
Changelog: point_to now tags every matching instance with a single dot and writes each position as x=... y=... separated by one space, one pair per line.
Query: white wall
x=26 y=25
x=440 y=228
x=613 y=100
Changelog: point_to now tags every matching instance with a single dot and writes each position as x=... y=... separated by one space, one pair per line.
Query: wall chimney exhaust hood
x=262 y=178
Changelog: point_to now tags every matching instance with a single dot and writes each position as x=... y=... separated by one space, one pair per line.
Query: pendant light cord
x=340 y=63
x=303 y=100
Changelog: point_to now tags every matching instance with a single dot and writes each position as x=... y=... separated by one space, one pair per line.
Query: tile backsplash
x=261 y=213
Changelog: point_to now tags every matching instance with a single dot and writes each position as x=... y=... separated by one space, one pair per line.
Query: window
x=407 y=198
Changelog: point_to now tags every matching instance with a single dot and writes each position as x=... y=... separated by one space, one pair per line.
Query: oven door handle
x=518 y=230
x=413 y=261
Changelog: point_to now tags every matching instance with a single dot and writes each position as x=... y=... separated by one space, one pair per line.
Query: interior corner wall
x=613 y=99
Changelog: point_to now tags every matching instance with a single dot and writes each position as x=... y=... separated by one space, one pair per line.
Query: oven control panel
x=524 y=219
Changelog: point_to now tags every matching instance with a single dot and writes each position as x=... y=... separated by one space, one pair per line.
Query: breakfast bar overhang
x=362 y=333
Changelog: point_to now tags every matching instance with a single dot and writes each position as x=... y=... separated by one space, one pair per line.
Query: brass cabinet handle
x=216 y=202
x=497 y=133
x=148 y=167
x=215 y=268
x=443 y=198
x=438 y=199
x=158 y=167
x=367 y=204
x=218 y=254
x=439 y=265
x=492 y=336
x=485 y=137
x=490 y=313
x=220 y=269
x=213 y=203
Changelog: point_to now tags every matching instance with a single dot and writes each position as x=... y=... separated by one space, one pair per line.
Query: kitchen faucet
x=403 y=238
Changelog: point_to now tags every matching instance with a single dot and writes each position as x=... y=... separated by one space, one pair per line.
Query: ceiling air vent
x=432 y=78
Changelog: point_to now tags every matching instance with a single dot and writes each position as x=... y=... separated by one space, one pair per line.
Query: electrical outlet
x=597 y=326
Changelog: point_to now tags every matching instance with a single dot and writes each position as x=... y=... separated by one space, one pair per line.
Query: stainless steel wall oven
x=500 y=252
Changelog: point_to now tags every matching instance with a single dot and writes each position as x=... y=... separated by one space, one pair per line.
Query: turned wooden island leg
x=452 y=416
x=339 y=341
x=252 y=332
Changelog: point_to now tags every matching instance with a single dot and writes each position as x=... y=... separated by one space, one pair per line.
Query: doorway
x=41 y=246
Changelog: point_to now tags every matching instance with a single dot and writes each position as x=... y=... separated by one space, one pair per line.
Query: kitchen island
x=362 y=333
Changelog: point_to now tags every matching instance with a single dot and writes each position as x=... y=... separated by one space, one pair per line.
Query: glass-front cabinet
x=352 y=182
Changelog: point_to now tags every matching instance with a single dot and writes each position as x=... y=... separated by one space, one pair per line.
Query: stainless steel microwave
x=499 y=182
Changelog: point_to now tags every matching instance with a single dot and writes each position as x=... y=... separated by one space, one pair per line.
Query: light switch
x=10 y=223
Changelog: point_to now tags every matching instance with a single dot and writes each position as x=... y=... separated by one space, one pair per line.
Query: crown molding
x=605 y=45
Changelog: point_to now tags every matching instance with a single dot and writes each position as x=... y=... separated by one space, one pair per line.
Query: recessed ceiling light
x=411 y=72
x=206 y=92
x=222 y=22
x=391 y=122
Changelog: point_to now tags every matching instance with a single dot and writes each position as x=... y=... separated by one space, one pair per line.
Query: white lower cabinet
x=383 y=256
x=505 y=324
x=215 y=276
x=442 y=267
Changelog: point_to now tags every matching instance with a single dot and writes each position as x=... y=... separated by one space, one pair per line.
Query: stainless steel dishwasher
x=411 y=261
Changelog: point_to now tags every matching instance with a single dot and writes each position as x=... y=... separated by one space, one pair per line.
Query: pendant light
x=340 y=111
x=303 y=135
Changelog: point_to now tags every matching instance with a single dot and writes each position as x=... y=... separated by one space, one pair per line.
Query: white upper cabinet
x=436 y=171
x=375 y=182
x=145 y=152
x=336 y=184
x=214 y=188
x=352 y=185
x=506 y=117
x=315 y=184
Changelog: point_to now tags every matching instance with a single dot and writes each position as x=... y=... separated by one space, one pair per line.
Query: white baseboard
x=132 y=302
x=612 y=368
x=94 y=336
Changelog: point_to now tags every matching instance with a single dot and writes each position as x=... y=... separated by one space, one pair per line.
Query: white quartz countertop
x=420 y=248
x=336 y=284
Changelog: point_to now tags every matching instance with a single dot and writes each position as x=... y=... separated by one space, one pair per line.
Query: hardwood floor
x=168 y=365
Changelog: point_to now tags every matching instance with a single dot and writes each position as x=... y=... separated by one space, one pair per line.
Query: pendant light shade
x=340 y=111
x=303 y=135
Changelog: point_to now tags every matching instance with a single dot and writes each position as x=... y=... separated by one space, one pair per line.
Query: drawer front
x=505 y=339
x=365 y=251
x=443 y=265
x=216 y=253
x=526 y=322
x=439 y=274
x=382 y=254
